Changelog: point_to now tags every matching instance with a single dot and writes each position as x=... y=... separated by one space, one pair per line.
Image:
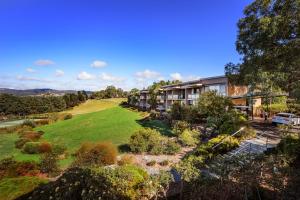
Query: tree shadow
x=158 y=125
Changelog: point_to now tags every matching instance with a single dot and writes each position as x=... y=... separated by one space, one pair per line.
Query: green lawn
x=113 y=123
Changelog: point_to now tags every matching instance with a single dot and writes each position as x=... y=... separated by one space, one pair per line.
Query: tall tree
x=269 y=41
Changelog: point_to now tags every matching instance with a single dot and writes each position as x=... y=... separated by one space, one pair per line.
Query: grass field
x=104 y=120
x=95 y=105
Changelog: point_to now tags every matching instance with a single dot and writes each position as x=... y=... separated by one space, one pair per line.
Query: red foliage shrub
x=27 y=169
x=31 y=135
x=102 y=153
x=45 y=147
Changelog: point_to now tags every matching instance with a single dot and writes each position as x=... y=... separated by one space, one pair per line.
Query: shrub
x=68 y=116
x=144 y=140
x=151 y=163
x=27 y=168
x=189 y=137
x=45 y=147
x=49 y=164
x=126 y=160
x=187 y=170
x=58 y=149
x=171 y=147
x=150 y=140
x=30 y=123
x=21 y=142
x=164 y=163
x=42 y=122
x=102 y=153
x=31 y=135
x=31 y=147
x=180 y=126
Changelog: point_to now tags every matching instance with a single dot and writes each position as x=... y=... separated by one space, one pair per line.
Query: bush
x=126 y=160
x=45 y=147
x=30 y=123
x=68 y=116
x=151 y=163
x=31 y=135
x=164 y=163
x=27 y=168
x=102 y=153
x=58 y=149
x=21 y=142
x=180 y=126
x=49 y=164
x=31 y=147
x=150 y=140
x=171 y=147
x=144 y=140
x=189 y=138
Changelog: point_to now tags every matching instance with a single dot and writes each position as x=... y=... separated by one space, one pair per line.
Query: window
x=221 y=89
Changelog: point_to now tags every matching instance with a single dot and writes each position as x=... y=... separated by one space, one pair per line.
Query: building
x=188 y=93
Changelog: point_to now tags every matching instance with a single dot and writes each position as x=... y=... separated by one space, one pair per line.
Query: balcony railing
x=193 y=96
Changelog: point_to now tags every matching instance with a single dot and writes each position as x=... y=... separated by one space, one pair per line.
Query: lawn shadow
x=124 y=148
x=158 y=125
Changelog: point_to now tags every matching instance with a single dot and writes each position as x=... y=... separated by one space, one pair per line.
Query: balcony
x=193 y=96
x=142 y=97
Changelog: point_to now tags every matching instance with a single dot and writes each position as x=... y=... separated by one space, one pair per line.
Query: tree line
x=110 y=92
x=26 y=105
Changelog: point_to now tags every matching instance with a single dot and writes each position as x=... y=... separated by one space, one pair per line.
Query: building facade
x=188 y=93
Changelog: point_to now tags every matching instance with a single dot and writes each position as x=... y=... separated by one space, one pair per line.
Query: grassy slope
x=114 y=124
x=94 y=106
x=11 y=188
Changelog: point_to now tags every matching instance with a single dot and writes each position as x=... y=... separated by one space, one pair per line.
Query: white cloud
x=44 y=62
x=59 y=73
x=176 y=76
x=110 y=78
x=85 y=76
x=98 y=64
x=30 y=70
x=26 y=78
x=147 y=74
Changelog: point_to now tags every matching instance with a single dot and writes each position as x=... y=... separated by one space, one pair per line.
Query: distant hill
x=43 y=91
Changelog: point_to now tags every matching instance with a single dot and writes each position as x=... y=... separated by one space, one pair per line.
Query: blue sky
x=90 y=44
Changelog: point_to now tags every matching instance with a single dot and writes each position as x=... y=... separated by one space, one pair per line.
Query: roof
x=198 y=81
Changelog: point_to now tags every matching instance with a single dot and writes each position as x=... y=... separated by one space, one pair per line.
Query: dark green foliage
x=268 y=41
x=177 y=111
x=31 y=147
x=149 y=140
x=109 y=92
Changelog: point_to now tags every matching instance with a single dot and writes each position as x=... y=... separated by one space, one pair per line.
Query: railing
x=193 y=96
x=223 y=140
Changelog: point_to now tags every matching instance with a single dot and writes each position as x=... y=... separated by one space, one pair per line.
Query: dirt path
x=143 y=159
